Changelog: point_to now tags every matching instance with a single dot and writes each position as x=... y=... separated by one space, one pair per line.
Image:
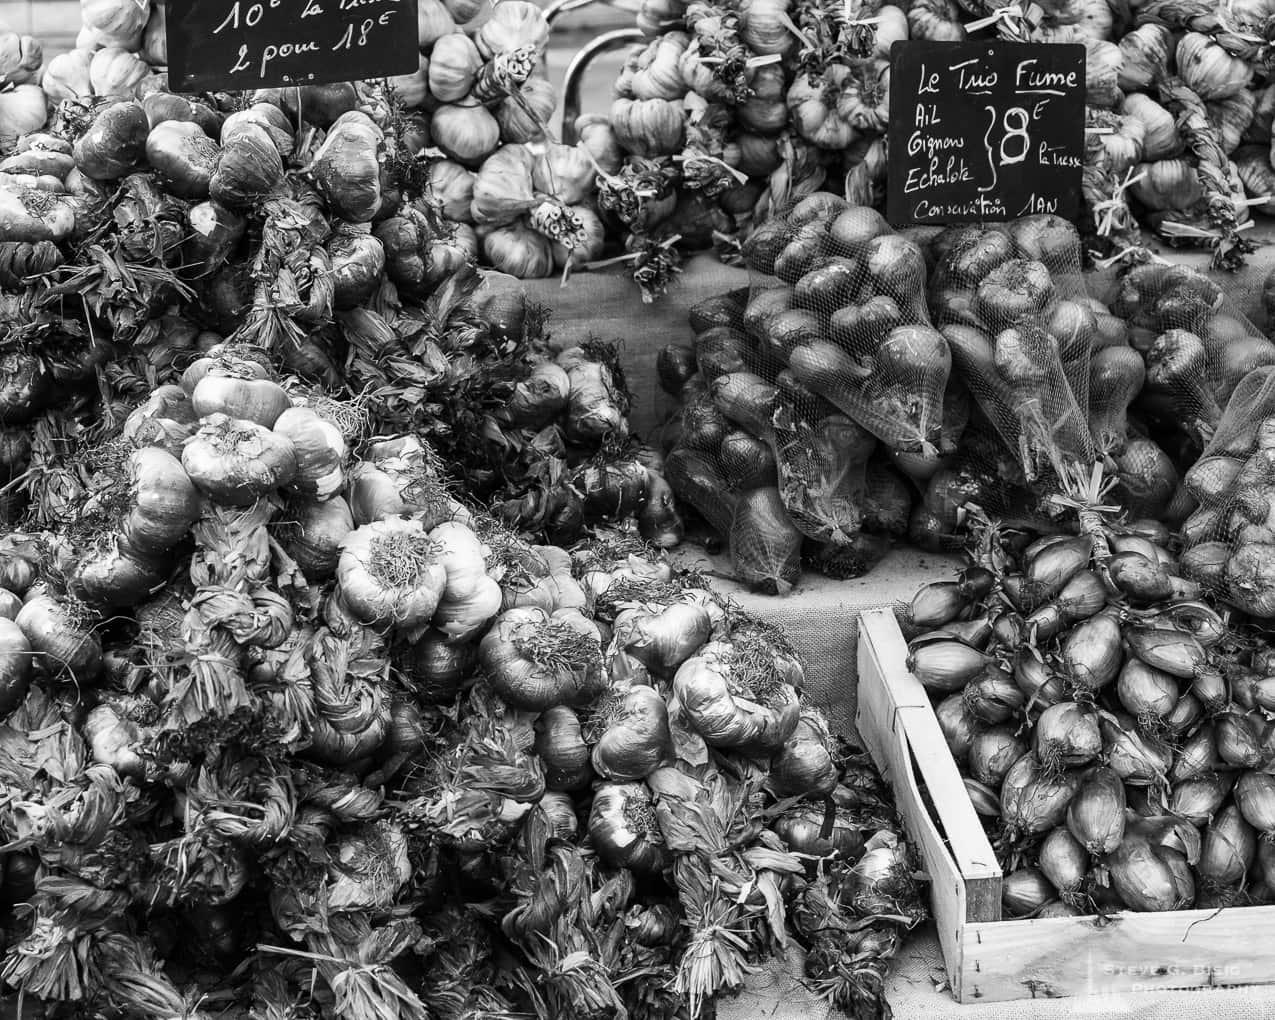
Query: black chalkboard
x=251 y=44
x=984 y=131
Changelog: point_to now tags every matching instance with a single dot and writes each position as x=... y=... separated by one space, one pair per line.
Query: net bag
x=765 y=547
x=1011 y=303
x=778 y=486
x=838 y=299
x=1197 y=346
x=831 y=358
x=1229 y=537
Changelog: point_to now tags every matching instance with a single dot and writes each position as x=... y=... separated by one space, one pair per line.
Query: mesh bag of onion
x=1011 y=302
x=744 y=479
x=1228 y=539
x=1052 y=375
x=722 y=472
x=1197 y=347
x=1210 y=400
x=836 y=367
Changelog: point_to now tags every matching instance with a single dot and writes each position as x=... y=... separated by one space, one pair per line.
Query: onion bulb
x=1147 y=693
x=1025 y=891
x=944 y=665
x=15 y=666
x=663 y=637
x=1210 y=686
x=958 y=724
x=562 y=749
x=819 y=831
x=1091 y=652
x=1138 y=758
x=1150 y=877
x=632 y=737
x=993 y=697
x=975 y=633
x=804 y=766
x=1255 y=795
x=390 y=573
x=880 y=882
x=1081 y=597
x=733 y=701
x=1051 y=567
x=439 y=666
x=1140 y=579
x=63 y=644
x=534 y=661
x=1201 y=621
x=1169 y=649
x=1096 y=814
x=1067 y=735
x=1230 y=845
x=1064 y=860
x=1239 y=738
x=935 y=604
x=983 y=797
x=623 y=827
x=1197 y=755
x=993 y=753
x=1185 y=714
x=1042 y=686
x=1033 y=802
x=1198 y=797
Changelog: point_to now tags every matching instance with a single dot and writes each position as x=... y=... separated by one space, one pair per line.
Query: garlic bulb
x=1146 y=56
x=1168 y=184
x=936 y=20
x=764 y=27
x=1102 y=68
x=1125 y=142
x=1160 y=136
x=594 y=238
x=1074 y=21
x=1259 y=128
x=892 y=27
x=1253 y=164
x=518 y=250
x=1231 y=117
x=1209 y=69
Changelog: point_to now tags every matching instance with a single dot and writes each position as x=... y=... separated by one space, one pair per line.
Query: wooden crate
x=990 y=959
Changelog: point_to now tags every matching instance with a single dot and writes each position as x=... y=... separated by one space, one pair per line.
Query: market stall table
x=821 y=616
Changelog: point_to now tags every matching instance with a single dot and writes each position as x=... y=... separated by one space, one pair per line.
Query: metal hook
x=561 y=7
x=604 y=43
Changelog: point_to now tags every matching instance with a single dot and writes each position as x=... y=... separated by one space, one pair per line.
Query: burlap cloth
x=821 y=618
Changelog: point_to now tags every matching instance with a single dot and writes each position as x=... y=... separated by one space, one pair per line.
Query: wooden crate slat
x=880 y=723
x=882 y=646
x=1130 y=953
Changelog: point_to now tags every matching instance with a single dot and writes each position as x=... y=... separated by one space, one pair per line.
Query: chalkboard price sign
x=984 y=131
x=252 y=44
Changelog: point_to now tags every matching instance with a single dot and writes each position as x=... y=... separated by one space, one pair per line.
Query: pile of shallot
x=1113 y=730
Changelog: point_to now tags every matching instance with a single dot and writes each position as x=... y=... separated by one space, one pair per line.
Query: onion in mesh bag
x=765 y=547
